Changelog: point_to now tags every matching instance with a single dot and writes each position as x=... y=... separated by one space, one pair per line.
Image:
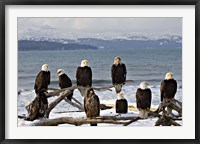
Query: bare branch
x=58 y=91
x=54 y=103
x=131 y=121
x=77 y=101
x=74 y=104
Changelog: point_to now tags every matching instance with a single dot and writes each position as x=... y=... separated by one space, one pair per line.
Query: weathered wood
x=114 y=118
x=104 y=107
x=58 y=91
x=154 y=114
x=131 y=121
x=74 y=104
x=72 y=121
x=166 y=121
x=37 y=108
x=77 y=101
x=54 y=103
x=64 y=94
x=170 y=103
x=60 y=112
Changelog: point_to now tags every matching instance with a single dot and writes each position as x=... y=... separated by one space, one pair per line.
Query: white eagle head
x=117 y=60
x=84 y=63
x=120 y=96
x=45 y=67
x=144 y=85
x=60 y=72
x=169 y=75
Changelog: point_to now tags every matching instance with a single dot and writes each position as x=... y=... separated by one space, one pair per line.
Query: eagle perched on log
x=121 y=104
x=91 y=105
x=168 y=89
x=143 y=99
x=84 y=76
x=118 y=74
x=42 y=79
x=64 y=81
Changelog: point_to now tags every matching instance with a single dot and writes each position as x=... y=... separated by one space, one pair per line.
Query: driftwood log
x=66 y=91
x=62 y=94
x=81 y=121
x=170 y=103
x=73 y=121
x=125 y=121
x=165 y=119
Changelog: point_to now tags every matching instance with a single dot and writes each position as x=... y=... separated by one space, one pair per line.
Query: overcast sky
x=63 y=26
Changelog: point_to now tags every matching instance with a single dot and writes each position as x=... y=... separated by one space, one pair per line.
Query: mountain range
x=122 y=41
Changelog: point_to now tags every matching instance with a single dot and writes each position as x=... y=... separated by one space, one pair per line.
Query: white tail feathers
x=83 y=91
x=143 y=113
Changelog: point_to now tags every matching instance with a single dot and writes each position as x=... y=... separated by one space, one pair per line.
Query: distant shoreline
x=94 y=44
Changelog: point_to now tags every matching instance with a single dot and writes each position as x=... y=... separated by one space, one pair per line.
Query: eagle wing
x=124 y=71
x=64 y=81
x=174 y=85
x=138 y=98
x=84 y=76
x=118 y=73
x=143 y=98
x=48 y=77
x=98 y=105
x=78 y=72
x=37 y=81
x=149 y=98
x=162 y=90
x=85 y=105
x=113 y=74
x=90 y=76
x=168 y=88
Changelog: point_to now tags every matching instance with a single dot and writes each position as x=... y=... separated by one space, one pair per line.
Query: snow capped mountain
x=50 y=34
x=102 y=40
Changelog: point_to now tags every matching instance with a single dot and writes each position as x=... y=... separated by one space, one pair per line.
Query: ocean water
x=144 y=64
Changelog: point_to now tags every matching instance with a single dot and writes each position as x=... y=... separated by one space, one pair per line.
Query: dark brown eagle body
x=118 y=75
x=42 y=81
x=168 y=89
x=65 y=82
x=143 y=98
x=92 y=105
x=84 y=76
x=121 y=106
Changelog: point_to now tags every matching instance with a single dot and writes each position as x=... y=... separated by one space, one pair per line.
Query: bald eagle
x=118 y=74
x=64 y=81
x=84 y=76
x=91 y=105
x=43 y=79
x=121 y=104
x=143 y=99
x=168 y=89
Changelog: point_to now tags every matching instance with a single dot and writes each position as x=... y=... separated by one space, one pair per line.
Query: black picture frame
x=4 y=3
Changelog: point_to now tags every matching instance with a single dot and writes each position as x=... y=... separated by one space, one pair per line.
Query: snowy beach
x=63 y=109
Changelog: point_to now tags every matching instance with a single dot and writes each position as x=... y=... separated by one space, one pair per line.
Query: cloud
x=86 y=26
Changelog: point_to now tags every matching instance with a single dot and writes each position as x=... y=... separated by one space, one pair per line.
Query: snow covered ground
x=64 y=109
